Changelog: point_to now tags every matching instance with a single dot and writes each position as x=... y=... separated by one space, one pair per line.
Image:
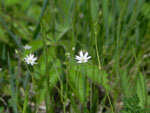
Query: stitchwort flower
x=27 y=47
x=30 y=59
x=82 y=58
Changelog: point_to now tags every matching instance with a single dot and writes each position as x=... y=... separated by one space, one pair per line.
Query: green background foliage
x=115 y=33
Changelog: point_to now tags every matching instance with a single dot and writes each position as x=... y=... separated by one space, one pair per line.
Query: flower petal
x=77 y=58
x=88 y=57
x=34 y=59
x=85 y=61
x=79 y=61
x=81 y=54
x=86 y=54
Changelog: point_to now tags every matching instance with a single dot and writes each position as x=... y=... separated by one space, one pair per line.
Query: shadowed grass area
x=115 y=33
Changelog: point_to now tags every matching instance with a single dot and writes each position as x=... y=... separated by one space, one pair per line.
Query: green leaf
x=37 y=29
x=78 y=83
x=131 y=105
x=125 y=84
x=1 y=109
x=14 y=38
x=141 y=90
x=11 y=2
x=95 y=9
x=97 y=75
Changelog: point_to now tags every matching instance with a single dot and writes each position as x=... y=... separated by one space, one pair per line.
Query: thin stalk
x=84 y=86
x=91 y=23
x=97 y=53
x=112 y=110
x=26 y=99
x=47 y=95
x=27 y=88
x=62 y=98
x=73 y=23
x=101 y=73
x=12 y=87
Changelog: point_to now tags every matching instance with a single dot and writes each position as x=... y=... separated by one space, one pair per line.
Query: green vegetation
x=115 y=33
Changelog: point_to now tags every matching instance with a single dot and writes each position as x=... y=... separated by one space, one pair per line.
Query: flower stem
x=47 y=95
x=99 y=64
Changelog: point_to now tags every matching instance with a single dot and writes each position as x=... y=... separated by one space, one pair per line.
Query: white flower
x=82 y=58
x=30 y=59
x=67 y=102
x=73 y=48
x=73 y=94
x=27 y=47
x=0 y=69
x=146 y=55
x=68 y=55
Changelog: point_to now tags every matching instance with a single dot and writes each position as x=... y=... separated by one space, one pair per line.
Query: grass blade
x=14 y=38
x=38 y=28
x=12 y=86
x=47 y=95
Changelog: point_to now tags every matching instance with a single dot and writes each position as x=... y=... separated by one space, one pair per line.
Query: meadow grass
x=114 y=33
